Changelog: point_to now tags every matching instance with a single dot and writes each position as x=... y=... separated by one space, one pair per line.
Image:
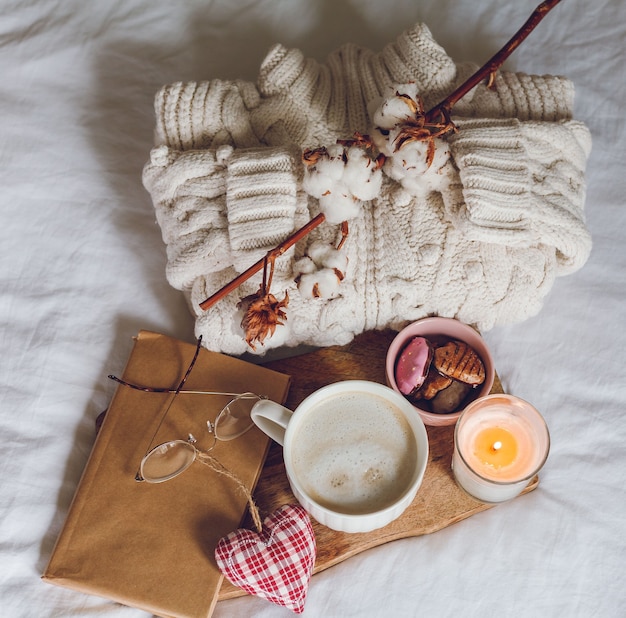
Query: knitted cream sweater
x=226 y=180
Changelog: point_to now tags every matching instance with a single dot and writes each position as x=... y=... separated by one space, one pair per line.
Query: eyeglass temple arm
x=149 y=389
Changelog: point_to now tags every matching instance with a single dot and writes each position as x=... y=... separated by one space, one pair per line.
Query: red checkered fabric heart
x=276 y=564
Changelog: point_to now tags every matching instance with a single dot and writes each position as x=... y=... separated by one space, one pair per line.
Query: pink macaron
x=412 y=365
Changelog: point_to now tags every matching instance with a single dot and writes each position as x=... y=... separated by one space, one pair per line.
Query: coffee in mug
x=355 y=452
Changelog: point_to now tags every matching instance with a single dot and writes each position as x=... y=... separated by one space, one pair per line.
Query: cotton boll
x=331 y=169
x=341 y=177
x=412 y=158
x=361 y=176
x=403 y=103
x=335 y=151
x=327 y=171
x=325 y=255
x=358 y=165
x=333 y=165
x=328 y=283
x=434 y=179
x=393 y=111
x=322 y=284
x=410 y=89
x=337 y=260
x=394 y=169
x=389 y=114
x=442 y=154
x=304 y=265
x=370 y=189
x=314 y=183
x=396 y=109
x=409 y=163
x=339 y=206
x=306 y=285
x=417 y=185
x=318 y=252
x=331 y=267
x=438 y=179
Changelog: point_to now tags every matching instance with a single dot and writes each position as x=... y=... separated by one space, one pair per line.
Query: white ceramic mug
x=355 y=452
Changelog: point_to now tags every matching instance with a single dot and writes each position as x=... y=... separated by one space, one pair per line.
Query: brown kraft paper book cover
x=147 y=545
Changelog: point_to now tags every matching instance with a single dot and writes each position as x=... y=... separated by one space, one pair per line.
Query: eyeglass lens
x=234 y=420
x=168 y=460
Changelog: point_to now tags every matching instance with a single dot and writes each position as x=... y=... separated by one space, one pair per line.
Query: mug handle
x=271 y=418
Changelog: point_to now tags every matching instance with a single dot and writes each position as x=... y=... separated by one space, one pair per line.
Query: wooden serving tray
x=439 y=501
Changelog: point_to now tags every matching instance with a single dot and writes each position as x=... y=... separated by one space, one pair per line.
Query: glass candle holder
x=500 y=443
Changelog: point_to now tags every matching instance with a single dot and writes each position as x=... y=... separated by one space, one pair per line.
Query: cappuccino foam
x=354 y=453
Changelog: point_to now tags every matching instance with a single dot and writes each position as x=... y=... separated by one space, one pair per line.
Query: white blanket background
x=82 y=270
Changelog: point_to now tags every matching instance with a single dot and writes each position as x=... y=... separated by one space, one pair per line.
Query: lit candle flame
x=496 y=447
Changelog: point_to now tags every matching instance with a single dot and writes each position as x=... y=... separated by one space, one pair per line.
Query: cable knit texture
x=225 y=177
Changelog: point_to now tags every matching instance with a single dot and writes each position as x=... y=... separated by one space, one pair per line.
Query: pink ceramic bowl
x=441 y=327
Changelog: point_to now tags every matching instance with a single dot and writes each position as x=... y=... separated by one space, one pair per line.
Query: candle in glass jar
x=500 y=443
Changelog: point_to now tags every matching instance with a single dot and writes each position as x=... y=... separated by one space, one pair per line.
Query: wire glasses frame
x=169 y=459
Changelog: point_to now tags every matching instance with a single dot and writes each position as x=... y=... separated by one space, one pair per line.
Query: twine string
x=218 y=467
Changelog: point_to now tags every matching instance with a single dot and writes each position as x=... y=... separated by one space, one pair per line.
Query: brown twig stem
x=272 y=254
x=492 y=65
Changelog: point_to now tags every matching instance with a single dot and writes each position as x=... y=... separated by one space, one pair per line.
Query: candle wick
x=497 y=445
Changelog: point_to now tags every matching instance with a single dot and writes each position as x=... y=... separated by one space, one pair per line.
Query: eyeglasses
x=169 y=459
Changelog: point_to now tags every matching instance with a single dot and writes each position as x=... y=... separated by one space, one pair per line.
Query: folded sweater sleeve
x=221 y=208
x=521 y=183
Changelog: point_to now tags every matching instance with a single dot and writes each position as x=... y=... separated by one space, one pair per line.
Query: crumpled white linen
x=83 y=269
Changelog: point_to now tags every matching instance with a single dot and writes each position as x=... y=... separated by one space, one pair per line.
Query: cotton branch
x=271 y=255
x=487 y=71
x=438 y=115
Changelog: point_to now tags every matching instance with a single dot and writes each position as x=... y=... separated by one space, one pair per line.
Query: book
x=151 y=545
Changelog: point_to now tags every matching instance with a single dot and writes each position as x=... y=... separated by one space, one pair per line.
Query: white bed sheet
x=82 y=270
